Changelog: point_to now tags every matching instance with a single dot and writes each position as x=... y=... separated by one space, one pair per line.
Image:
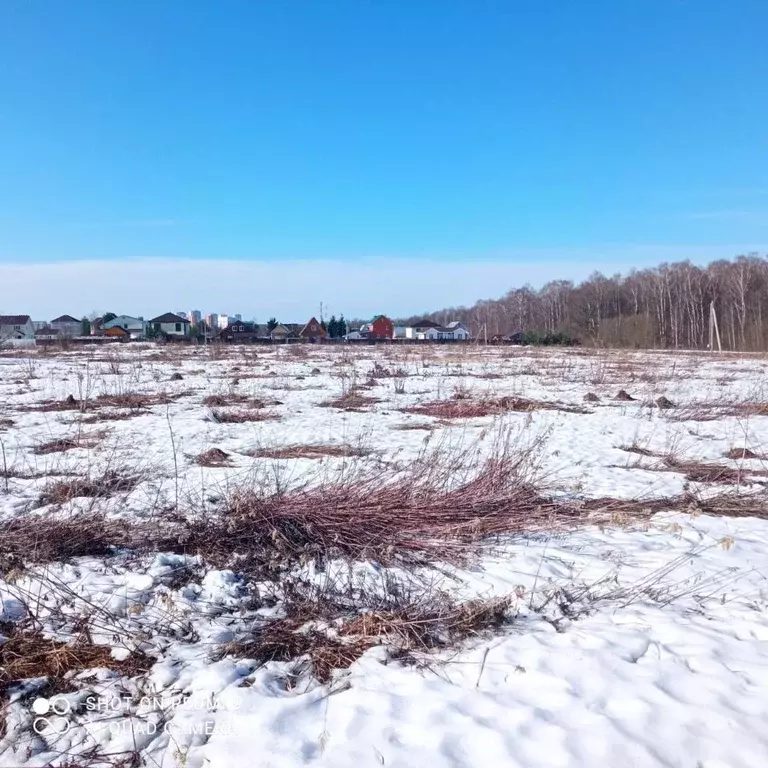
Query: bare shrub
x=624 y=396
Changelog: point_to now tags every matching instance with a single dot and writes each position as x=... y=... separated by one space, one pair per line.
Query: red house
x=381 y=327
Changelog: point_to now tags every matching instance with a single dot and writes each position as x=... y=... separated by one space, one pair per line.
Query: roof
x=169 y=317
x=456 y=324
x=14 y=319
x=65 y=319
x=425 y=324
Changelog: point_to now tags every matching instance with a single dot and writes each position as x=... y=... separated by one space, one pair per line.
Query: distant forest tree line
x=665 y=306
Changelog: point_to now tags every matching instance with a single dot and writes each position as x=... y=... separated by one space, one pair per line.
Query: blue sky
x=516 y=140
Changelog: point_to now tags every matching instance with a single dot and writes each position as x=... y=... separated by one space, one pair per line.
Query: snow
x=660 y=658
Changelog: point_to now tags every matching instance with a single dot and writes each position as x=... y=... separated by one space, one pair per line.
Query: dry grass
x=470 y=409
x=700 y=472
x=213 y=457
x=226 y=416
x=48 y=538
x=353 y=400
x=405 y=625
x=104 y=486
x=129 y=400
x=232 y=398
x=638 y=449
x=27 y=654
x=68 y=444
x=309 y=452
x=739 y=454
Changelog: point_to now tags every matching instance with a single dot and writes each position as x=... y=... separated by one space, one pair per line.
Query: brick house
x=313 y=331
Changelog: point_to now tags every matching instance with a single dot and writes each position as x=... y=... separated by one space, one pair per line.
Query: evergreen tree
x=333 y=327
x=109 y=316
x=86 y=329
x=271 y=324
x=342 y=326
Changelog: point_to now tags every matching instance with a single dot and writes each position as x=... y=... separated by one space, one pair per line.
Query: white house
x=426 y=330
x=16 y=327
x=459 y=330
x=136 y=326
x=67 y=325
x=170 y=325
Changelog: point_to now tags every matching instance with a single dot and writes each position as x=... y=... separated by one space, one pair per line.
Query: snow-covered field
x=627 y=638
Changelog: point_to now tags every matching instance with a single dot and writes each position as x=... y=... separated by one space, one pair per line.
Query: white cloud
x=293 y=290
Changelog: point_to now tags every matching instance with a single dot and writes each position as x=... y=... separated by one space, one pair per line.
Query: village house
x=428 y=330
x=117 y=332
x=280 y=332
x=67 y=326
x=313 y=331
x=16 y=327
x=46 y=333
x=170 y=325
x=241 y=332
x=135 y=327
x=380 y=328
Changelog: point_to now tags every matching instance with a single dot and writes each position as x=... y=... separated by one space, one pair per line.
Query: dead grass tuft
x=213 y=457
x=226 y=416
x=624 y=396
x=110 y=483
x=47 y=538
x=738 y=454
x=232 y=398
x=309 y=452
x=353 y=400
x=67 y=444
x=470 y=409
x=27 y=654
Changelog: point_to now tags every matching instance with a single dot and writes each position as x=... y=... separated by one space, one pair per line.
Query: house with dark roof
x=16 y=327
x=170 y=325
x=67 y=326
